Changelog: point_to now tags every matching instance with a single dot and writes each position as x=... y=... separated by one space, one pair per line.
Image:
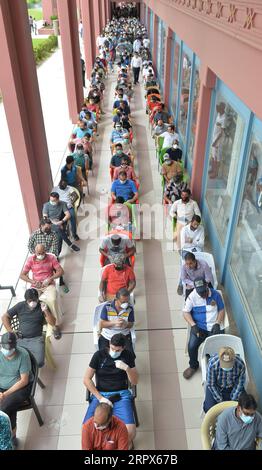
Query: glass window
x=246 y=261
x=184 y=94
x=152 y=29
x=163 y=56
x=159 y=46
x=175 y=77
x=194 y=114
x=226 y=139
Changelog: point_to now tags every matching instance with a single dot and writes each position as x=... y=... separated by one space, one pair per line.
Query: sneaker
x=188 y=373
x=57 y=333
x=74 y=248
x=179 y=289
x=76 y=238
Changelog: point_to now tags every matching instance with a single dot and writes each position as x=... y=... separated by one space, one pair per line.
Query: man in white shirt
x=218 y=140
x=146 y=43
x=183 y=210
x=193 y=236
x=136 y=64
x=137 y=45
x=100 y=41
x=169 y=137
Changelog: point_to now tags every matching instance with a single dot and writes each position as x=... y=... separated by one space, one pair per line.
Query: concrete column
x=71 y=55
x=208 y=82
x=96 y=23
x=49 y=9
x=168 y=65
x=86 y=8
x=106 y=10
x=109 y=10
x=103 y=13
x=155 y=39
x=19 y=87
x=148 y=22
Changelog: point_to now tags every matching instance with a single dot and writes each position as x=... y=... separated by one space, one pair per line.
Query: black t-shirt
x=30 y=321
x=116 y=160
x=108 y=377
x=175 y=154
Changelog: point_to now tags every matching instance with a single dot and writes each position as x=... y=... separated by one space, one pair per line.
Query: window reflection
x=194 y=113
x=175 y=79
x=163 y=55
x=159 y=44
x=224 y=154
x=246 y=259
x=184 y=96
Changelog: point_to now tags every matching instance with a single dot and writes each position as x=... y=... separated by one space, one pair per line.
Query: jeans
x=61 y=233
x=73 y=221
x=136 y=72
x=12 y=402
x=210 y=401
x=36 y=346
x=193 y=345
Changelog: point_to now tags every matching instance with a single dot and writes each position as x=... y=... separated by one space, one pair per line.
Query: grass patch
x=43 y=48
x=36 y=13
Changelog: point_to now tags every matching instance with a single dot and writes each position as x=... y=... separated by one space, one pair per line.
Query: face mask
x=114 y=354
x=247 y=419
x=226 y=369
x=53 y=203
x=99 y=428
x=7 y=352
x=122 y=182
x=168 y=162
x=124 y=305
x=118 y=152
x=32 y=304
x=175 y=146
x=40 y=257
x=79 y=151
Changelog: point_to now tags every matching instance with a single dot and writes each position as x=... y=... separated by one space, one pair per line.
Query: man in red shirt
x=45 y=269
x=104 y=431
x=114 y=277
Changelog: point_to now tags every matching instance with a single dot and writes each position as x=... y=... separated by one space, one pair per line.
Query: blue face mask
x=226 y=369
x=7 y=352
x=114 y=354
x=247 y=419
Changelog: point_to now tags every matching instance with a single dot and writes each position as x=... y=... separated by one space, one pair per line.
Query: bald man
x=45 y=269
x=104 y=431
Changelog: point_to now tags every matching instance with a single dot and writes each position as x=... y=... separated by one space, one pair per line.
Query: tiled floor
x=168 y=406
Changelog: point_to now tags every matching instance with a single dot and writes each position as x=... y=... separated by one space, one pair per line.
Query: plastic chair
x=212 y=345
x=96 y=328
x=30 y=403
x=208 y=257
x=208 y=426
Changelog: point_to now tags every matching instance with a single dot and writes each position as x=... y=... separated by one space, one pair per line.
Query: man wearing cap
x=170 y=169
x=15 y=378
x=117 y=244
x=124 y=188
x=226 y=376
x=114 y=277
x=204 y=312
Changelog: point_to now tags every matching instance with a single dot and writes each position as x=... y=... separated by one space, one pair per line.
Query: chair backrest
x=212 y=345
x=208 y=426
x=208 y=257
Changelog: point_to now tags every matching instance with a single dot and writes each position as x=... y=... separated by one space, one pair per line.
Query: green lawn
x=38 y=42
x=35 y=13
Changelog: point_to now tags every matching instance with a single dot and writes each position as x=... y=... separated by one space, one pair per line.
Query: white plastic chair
x=208 y=257
x=212 y=345
x=97 y=314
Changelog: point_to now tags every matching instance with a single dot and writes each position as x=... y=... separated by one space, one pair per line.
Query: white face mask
x=100 y=428
x=53 y=203
x=124 y=305
x=175 y=146
x=32 y=304
x=122 y=182
x=114 y=354
x=40 y=257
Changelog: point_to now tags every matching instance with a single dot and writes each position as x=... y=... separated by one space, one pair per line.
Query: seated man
x=124 y=188
x=170 y=169
x=114 y=277
x=15 y=379
x=58 y=213
x=82 y=160
x=72 y=174
x=104 y=431
x=163 y=115
x=174 y=189
x=170 y=136
x=192 y=270
x=238 y=428
x=193 y=236
x=204 y=312
x=128 y=169
x=118 y=156
x=65 y=191
x=117 y=135
x=117 y=244
x=113 y=367
x=226 y=376
x=45 y=269
x=174 y=152
x=117 y=317
x=160 y=128
x=32 y=315
x=183 y=210
x=119 y=214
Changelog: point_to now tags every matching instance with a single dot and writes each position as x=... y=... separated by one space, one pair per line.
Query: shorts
x=122 y=409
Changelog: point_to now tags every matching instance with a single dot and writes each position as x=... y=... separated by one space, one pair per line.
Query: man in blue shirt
x=124 y=188
x=204 y=312
x=226 y=376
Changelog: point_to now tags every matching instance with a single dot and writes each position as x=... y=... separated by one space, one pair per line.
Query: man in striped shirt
x=226 y=376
